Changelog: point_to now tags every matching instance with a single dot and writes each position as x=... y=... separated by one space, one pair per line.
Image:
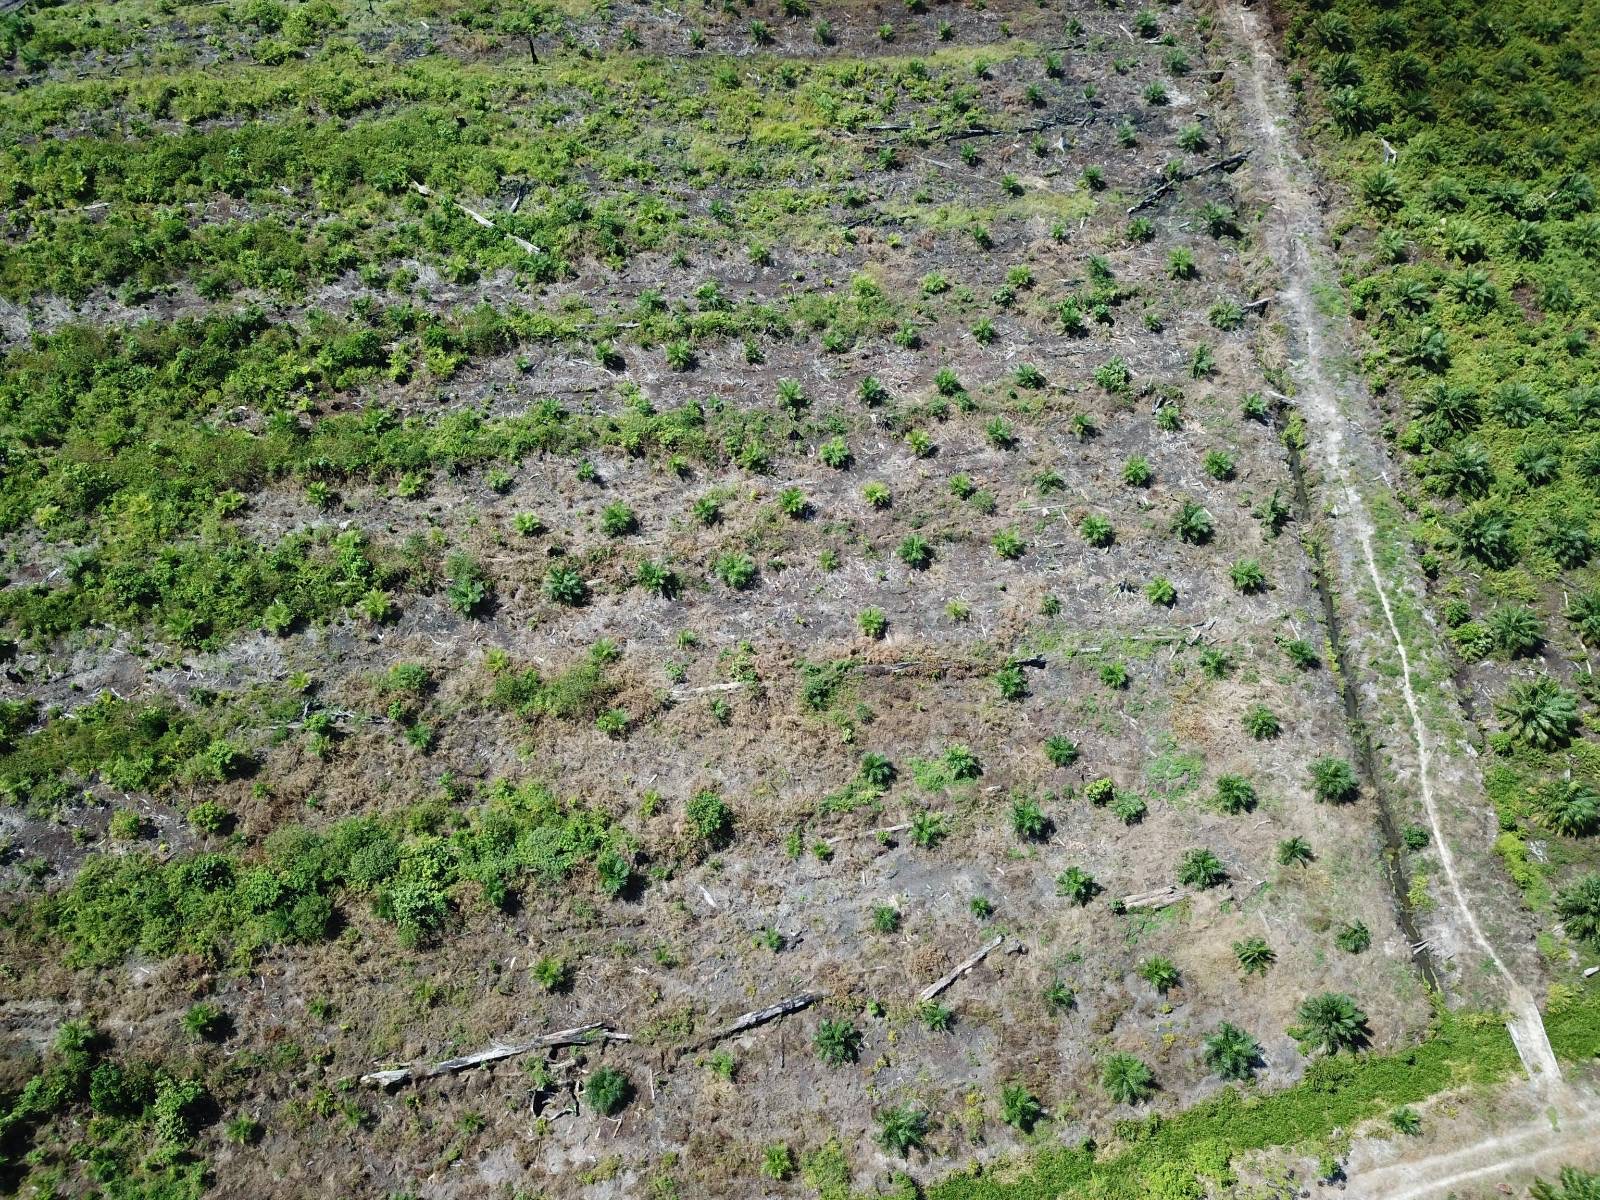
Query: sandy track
x=1529 y=1149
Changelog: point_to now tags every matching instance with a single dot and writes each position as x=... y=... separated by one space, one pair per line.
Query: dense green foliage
x=414 y=870
x=144 y=1116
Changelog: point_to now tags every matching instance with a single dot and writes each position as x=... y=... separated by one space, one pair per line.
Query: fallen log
x=961 y=968
x=761 y=1016
x=578 y=1036
x=480 y=219
x=1160 y=898
x=1222 y=164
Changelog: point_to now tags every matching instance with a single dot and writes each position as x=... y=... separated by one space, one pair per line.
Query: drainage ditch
x=1394 y=856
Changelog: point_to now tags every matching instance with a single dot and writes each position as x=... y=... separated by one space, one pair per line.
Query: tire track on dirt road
x=1528 y=1149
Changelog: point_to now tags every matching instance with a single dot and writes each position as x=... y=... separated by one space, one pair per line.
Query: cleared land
x=527 y=520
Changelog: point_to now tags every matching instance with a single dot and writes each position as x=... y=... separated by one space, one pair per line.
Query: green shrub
x=837 y=1042
x=607 y=1090
x=710 y=819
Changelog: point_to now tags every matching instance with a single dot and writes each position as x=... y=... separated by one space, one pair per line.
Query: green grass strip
x=1174 y=1157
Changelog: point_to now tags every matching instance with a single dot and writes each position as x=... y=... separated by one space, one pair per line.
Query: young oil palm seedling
x=1192 y=524
x=1333 y=781
x=1231 y=1052
x=1077 y=885
x=1019 y=1107
x=1235 y=794
x=1060 y=750
x=1008 y=544
x=1201 y=869
x=1126 y=1079
x=1096 y=531
x=837 y=1042
x=1261 y=723
x=1330 y=1022
x=1028 y=821
x=1294 y=852
x=1254 y=955
x=915 y=552
x=1539 y=713
x=902 y=1129
x=1160 y=973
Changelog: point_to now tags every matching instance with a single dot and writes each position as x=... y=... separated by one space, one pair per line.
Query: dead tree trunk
x=577 y=1036
x=761 y=1016
x=1222 y=164
x=965 y=965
